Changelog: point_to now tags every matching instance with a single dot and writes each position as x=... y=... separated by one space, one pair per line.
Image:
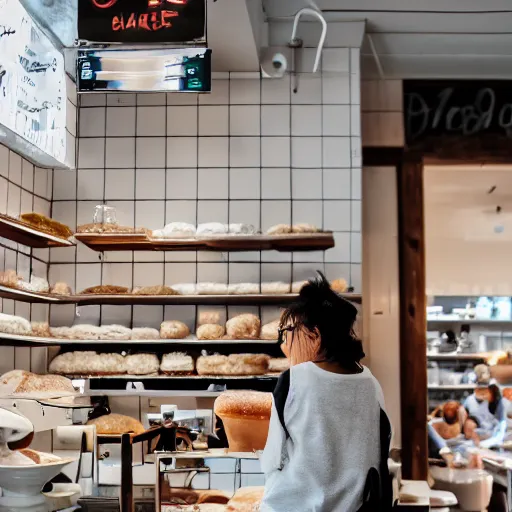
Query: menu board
x=142 y=21
x=32 y=82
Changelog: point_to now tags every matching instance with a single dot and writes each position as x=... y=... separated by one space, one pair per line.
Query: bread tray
x=23 y=233
x=149 y=434
x=225 y=243
x=33 y=341
x=148 y=300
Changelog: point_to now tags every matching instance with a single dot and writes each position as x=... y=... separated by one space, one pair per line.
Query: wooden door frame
x=409 y=167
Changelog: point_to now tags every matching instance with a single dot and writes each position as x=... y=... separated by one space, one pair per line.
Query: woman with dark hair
x=329 y=437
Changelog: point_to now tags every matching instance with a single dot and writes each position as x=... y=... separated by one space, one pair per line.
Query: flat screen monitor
x=164 y=70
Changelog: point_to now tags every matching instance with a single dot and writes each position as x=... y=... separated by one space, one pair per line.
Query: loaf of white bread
x=234 y=364
x=23 y=383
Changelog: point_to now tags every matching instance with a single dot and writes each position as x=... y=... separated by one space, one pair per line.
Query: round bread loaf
x=117 y=424
x=174 y=330
x=210 y=332
x=142 y=364
x=279 y=229
x=270 y=331
x=243 y=327
x=61 y=288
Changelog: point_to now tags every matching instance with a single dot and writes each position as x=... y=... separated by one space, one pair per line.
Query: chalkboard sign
x=465 y=110
x=142 y=21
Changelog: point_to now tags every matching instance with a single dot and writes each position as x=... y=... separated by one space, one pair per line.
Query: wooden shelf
x=451 y=387
x=192 y=341
x=163 y=300
x=20 y=232
x=234 y=243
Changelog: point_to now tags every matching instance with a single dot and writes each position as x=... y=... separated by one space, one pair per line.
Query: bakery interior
x=149 y=239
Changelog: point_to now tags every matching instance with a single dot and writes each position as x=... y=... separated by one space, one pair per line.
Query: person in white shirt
x=328 y=439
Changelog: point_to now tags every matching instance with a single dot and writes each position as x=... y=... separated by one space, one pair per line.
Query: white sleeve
x=380 y=394
x=271 y=457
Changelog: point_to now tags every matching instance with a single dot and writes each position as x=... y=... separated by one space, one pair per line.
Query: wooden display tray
x=17 y=340
x=149 y=434
x=149 y=300
x=233 y=243
x=23 y=233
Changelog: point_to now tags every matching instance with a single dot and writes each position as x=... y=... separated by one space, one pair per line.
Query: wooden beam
x=413 y=326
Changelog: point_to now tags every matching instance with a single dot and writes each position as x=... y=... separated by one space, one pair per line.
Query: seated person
x=487 y=415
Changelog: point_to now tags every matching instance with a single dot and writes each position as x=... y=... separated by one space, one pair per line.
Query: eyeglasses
x=281 y=331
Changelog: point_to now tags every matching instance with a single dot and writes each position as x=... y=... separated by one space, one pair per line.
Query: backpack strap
x=280 y=396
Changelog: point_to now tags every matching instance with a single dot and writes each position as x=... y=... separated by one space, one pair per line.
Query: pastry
x=243 y=327
x=278 y=364
x=10 y=324
x=42 y=223
x=40 y=457
x=241 y=229
x=244 y=289
x=297 y=286
x=304 y=228
x=115 y=332
x=177 y=363
x=141 y=364
x=20 y=382
x=339 y=285
x=270 y=331
x=88 y=363
x=210 y=332
x=174 y=330
x=211 y=228
x=212 y=288
x=185 y=289
x=117 y=424
x=154 y=290
x=246 y=416
x=98 y=227
x=36 y=285
x=61 y=288
x=275 y=288
x=234 y=364
x=279 y=229
x=145 y=333
x=208 y=317
x=41 y=329
x=175 y=230
x=10 y=278
x=105 y=289
x=246 y=499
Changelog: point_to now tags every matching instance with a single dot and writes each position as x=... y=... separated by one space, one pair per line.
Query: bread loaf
x=115 y=332
x=36 y=285
x=244 y=289
x=185 y=288
x=339 y=285
x=278 y=364
x=270 y=331
x=208 y=317
x=145 y=333
x=304 y=228
x=241 y=229
x=10 y=324
x=275 y=288
x=142 y=364
x=98 y=227
x=20 y=382
x=174 y=330
x=42 y=223
x=210 y=332
x=297 y=286
x=10 y=278
x=211 y=228
x=246 y=499
x=243 y=327
x=154 y=290
x=40 y=458
x=41 y=330
x=212 y=289
x=175 y=230
x=88 y=363
x=105 y=289
x=177 y=363
x=279 y=229
x=117 y=424
x=61 y=288
x=234 y=364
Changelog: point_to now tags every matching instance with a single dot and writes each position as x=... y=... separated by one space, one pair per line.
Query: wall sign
x=32 y=82
x=142 y=21
x=461 y=109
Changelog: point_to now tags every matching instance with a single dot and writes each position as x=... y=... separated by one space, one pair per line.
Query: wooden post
x=413 y=325
x=126 y=474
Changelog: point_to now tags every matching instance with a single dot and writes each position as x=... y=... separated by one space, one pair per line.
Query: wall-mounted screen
x=173 y=70
x=142 y=21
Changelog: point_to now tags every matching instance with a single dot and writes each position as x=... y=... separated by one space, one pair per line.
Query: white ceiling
x=424 y=38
